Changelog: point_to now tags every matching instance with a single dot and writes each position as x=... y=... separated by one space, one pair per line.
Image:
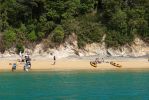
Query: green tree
x=89 y=30
x=32 y=36
x=58 y=34
x=34 y=20
x=21 y=33
x=9 y=38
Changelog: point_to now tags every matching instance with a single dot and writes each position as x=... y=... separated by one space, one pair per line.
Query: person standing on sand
x=21 y=56
x=54 y=58
x=102 y=60
x=14 y=66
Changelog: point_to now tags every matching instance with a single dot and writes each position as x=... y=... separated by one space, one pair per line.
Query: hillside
x=75 y=25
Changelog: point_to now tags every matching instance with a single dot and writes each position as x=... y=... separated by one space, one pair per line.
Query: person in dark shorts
x=54 y=58
x=28 y=61
x=14 y=65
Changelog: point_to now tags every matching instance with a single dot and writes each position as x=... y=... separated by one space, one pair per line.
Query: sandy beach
x=77 y=64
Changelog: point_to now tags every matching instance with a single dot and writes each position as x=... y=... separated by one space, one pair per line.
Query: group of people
x=96 y=61
x=25 y=59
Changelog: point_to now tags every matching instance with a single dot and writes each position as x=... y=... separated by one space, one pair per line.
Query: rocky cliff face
x=70 y=48
x=138 y=48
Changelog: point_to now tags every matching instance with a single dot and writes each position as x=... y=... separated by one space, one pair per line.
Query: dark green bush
x=40 y=35
x=70 y=26
x=58 y=34
x=82 y=41
x=90 y=30
x=21 y=33
x=143 y=29
x=34 y=20
x=32 y=36
x=114 y=39
x=19 y=47
x=9 y=37
x=2 y=45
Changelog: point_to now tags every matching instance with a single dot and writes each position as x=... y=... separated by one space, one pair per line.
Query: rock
x=70 y=48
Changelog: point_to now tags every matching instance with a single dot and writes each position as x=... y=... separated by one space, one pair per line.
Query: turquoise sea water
x=105 y=85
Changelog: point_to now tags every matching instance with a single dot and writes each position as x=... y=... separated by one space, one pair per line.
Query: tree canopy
x=30 y=21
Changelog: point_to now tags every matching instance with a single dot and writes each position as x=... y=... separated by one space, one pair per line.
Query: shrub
x=40 y=35
x=70 y=26
x=9 y=38
x=31 y=27
x=2 y=45
x=90 y=30
x=81 y=42
x=32 y=36
x=19 y=48
x=115 y=39
x=58 y=34
x=21 y=33
x=143 y=29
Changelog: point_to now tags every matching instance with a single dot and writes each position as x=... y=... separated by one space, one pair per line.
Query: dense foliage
x=24 y=22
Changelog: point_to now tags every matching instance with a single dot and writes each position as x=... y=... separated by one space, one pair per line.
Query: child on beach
x=14 y=65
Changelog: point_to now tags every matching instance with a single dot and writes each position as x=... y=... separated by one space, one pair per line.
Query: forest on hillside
x=24 y=23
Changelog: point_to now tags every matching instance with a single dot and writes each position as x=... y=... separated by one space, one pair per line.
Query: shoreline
x=80 y=70
x=71 y=64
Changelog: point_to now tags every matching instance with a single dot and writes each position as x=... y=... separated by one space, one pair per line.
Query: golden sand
x=67 y=65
